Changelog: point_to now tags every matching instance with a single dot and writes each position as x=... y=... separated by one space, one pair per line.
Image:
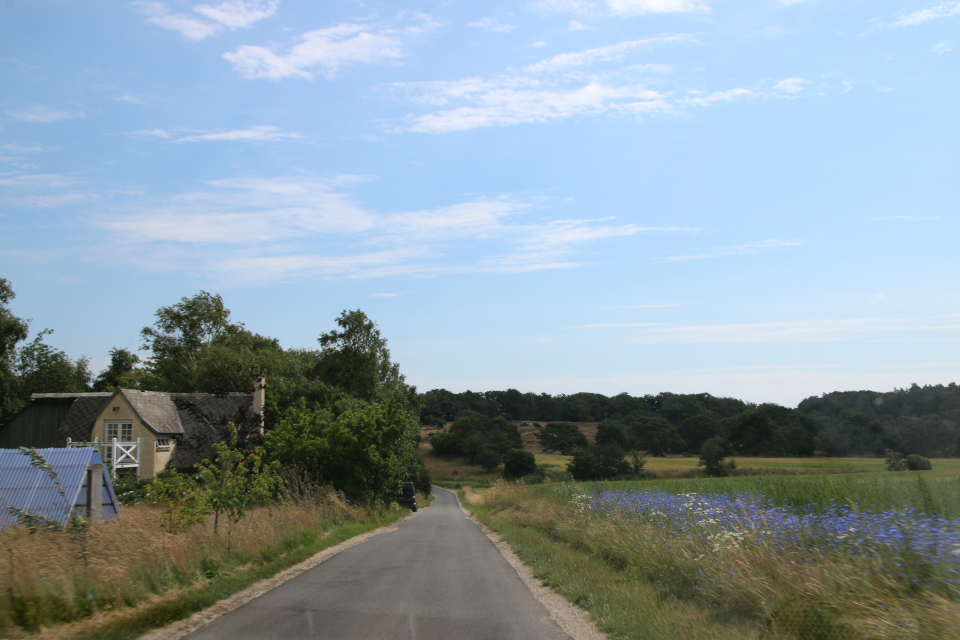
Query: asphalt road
x=436 y=577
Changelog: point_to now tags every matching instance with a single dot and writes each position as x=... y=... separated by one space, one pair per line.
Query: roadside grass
x=128 y=576
x=643 y=576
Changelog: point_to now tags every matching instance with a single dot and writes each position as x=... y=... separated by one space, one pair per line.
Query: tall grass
x=53 y=577
x=746 y=581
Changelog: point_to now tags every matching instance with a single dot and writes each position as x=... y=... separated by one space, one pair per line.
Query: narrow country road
x=436 y=577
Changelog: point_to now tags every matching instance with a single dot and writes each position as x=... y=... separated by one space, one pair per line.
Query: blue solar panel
x=30 y=489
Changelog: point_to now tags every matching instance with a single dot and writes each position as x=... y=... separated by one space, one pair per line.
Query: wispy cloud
x=40 y=190
x=295 y=228
x=942 y=48
x=815 y=330
x=789 y=3
x=622 y=7
x=151 y=133
x=565 y=61
x=38 y=180
x=492 y=24
x=42 y=114
x=942 y=10
x=327 y=51
x=231 y=14
x=749 y=248
x=563 y=86
x=261 y=133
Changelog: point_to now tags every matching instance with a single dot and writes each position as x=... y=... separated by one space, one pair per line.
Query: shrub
x=712 y=454
x=445 y=444
x=518 y=463
x=598 y=462
x=562 y=437
x=488 y=459
x=916 y=462
x=895 y=461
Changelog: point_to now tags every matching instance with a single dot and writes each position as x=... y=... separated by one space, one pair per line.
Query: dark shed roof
x=79 y=420
x=205 y=418
x=39 y=423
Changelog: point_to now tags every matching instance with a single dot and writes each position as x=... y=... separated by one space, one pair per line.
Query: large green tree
x=12 y=331
x=355 y=358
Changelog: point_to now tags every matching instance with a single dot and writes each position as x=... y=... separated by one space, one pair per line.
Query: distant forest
x=923 y=420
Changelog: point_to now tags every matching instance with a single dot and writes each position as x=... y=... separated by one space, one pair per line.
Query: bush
x=916 y=462
x=488 y=459
x=518 y=463
x=895 y=461
x=562 y=437
x=712 y=454
x=445 y=444
x=598 y=462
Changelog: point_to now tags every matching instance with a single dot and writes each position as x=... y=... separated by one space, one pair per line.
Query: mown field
x=857 y=556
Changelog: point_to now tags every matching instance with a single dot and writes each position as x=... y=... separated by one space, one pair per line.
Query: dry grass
x=52 y=577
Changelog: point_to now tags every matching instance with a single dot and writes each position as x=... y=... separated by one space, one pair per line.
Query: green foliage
x=183 y=502
x=120 y=373
x=713 y=452
x=356 y=359
x=916 y=462
x=518 y=463
x=366 y=450
x=562 y=437
x=488 y=459
x=598 y=462
x=656 y=435
x=895 y=461
x=445 y=444
x=235 y=479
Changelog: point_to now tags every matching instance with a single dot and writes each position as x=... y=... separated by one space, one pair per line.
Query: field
x=858 y=556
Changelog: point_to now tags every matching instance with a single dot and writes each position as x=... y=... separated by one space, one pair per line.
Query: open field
x=808 y=557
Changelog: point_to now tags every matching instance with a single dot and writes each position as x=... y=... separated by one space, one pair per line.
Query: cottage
x=138 y=432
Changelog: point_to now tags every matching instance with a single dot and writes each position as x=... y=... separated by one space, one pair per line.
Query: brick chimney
x=259 y=396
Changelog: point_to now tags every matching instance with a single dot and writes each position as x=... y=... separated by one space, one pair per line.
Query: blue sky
x=751 y=199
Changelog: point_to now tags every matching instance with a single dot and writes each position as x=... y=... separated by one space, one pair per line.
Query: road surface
x=436 y=577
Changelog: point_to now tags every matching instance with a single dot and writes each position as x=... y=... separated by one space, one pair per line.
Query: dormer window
x=163 y=444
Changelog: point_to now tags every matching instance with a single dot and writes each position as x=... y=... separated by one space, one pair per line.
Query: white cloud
x=702 y=99
x=491 y=24
x=126 y=97
x=564 y=61
x=233 y=14
x=261 y=133
x=942 y=10
x=38 y=180
x=238 y=14
x=622 y=7
x=327 y=50
x=153 y=133
x=791 y=85
x=788 y=3
x=19 y=147
x=749 y=248
x=576 y=25
x=942 y=48
x=266 y=229
x=638 y=7
x=816 y=330
x=191 y=28
x=41 y=114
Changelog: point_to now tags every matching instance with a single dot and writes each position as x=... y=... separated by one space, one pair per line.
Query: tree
x=518 y=463
x=366 y=450
x=656 y=435
x=179 y=335
x=122 y=365
x=235 y=479
x=712 y=455
x=12 y=331
x=355 y=358
x=562 y=437
x=598 y=462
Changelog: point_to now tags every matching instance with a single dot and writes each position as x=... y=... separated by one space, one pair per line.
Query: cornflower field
x=864 y=557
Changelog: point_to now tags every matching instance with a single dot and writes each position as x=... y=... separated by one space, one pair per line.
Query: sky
x=750 y=199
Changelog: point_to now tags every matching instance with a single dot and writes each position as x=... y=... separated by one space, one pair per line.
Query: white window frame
x=121 y=433
x=163 y=444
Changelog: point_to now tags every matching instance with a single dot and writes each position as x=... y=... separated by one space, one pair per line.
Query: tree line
x=919 y=420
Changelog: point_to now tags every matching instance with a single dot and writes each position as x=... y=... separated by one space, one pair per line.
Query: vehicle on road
x=408 y=498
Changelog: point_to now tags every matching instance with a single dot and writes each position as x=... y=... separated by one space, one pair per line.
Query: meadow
x=125 y=576
x=853 y=556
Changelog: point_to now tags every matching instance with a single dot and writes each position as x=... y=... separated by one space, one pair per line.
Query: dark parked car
x=409 y=496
